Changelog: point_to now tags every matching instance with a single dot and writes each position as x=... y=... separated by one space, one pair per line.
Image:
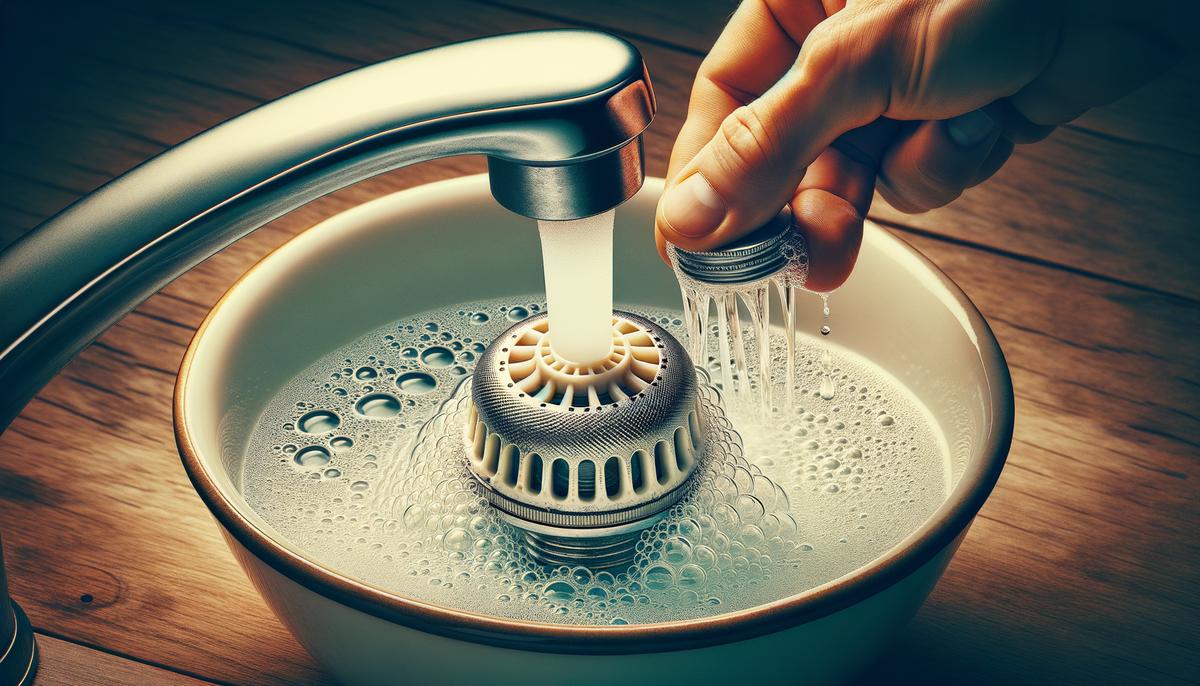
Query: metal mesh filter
x=583 y=457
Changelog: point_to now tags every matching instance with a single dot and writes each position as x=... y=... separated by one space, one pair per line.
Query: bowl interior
x=450 y=242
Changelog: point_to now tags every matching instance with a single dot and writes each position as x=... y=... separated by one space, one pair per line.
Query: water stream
x=727 y=349
x=577 y=258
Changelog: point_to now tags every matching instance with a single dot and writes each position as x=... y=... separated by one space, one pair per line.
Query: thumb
x=754 y=162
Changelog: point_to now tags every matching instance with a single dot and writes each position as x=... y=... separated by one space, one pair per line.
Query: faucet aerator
x=582 y=458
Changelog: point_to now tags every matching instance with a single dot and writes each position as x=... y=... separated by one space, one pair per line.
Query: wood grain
x=69 y=664
x=1080 y=569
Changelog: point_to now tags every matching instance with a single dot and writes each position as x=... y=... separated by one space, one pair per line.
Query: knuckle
x=850 y=56
x=824 y=48
x=747 y=139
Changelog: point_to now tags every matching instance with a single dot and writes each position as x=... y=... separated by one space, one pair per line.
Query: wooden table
x=1081 y=252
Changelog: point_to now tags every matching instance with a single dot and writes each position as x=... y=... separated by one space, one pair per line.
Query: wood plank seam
x=1030 y=259
x=132 y=658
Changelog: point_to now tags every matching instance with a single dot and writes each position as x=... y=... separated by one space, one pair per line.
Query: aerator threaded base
x=606 y=552
x=755 y=256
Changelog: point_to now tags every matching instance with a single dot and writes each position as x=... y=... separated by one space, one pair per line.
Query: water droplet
x=437 y=356
x=827 y=387
x=365 y=373
x=359 y=486
x=409 y=353
x=479 y=318
x=341 y=443
x=885 y=420
x=312 y=457
x=416 y=383
x=332 y=473
x=517 y=313
x=825 y=330
x=319 y=422
x=378 y=406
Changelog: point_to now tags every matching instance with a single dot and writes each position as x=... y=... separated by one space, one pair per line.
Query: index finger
x=756 y=48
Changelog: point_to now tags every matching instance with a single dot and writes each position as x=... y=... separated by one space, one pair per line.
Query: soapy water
x=360 y=462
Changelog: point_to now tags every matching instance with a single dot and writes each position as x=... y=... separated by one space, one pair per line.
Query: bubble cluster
x=790 y=500
x=728 y=532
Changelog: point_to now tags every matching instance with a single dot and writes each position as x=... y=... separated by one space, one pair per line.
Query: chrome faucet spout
x=559 y=115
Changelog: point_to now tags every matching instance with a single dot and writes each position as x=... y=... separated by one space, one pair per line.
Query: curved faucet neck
x=558 y=113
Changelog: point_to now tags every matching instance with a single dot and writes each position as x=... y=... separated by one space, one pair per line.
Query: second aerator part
x=582 y=458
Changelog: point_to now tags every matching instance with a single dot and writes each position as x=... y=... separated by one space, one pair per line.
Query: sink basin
x=450 y=242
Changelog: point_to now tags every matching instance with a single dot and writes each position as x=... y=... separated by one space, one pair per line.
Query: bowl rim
x=941 y=529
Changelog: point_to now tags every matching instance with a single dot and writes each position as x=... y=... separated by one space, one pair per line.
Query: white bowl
x=409 y=252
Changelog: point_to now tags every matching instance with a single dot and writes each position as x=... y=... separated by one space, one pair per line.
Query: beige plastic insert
x=632 y=364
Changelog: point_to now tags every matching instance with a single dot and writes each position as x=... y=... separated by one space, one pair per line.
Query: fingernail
x=692 y=208
x=970 y=129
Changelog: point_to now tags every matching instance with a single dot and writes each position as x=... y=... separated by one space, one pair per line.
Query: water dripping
x=789 y=296
x=828 y=386
x=742 y=332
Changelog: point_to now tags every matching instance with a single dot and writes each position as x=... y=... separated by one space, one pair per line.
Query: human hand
x=818 y=103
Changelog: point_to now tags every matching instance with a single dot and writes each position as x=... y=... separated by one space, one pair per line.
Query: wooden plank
x=1099 y=501
x=692 y=28
x=1162 y=114
x=118 y=520
x=64 y=663
x=1071 y=200
x=1080 y=566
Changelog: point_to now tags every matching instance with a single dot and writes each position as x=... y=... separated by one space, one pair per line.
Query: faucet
x=559 y=115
